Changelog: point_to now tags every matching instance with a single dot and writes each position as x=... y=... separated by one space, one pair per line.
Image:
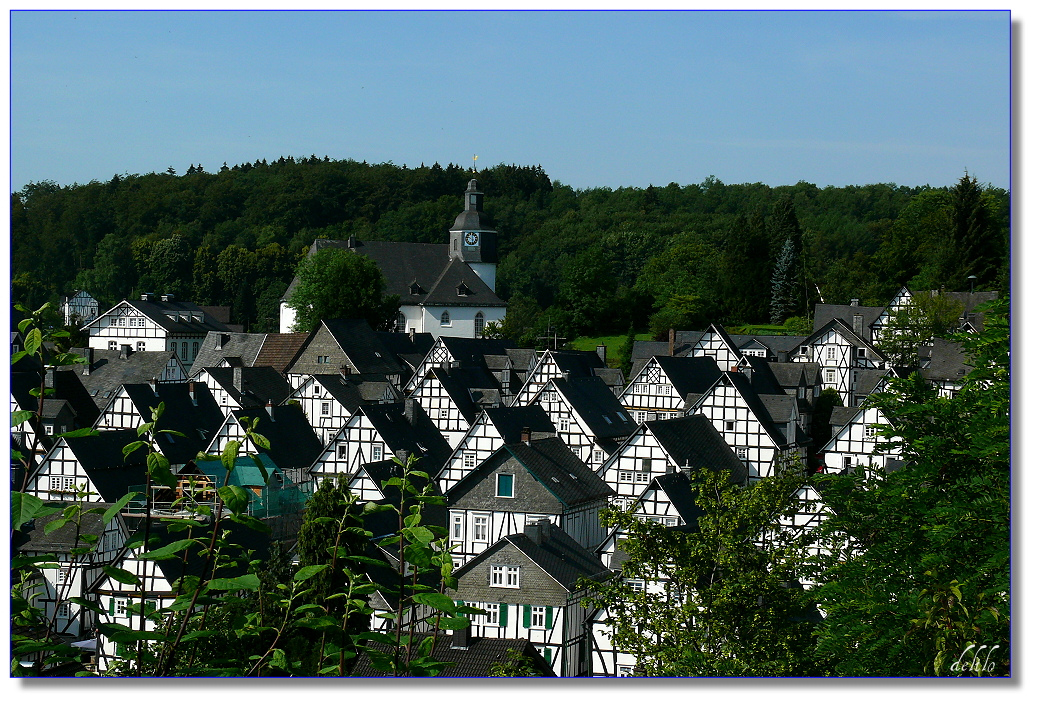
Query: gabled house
x=762 y=429
x=190 y=409
x=522 y=483
x=154 y=324
x=860 y=319
x=568 y=364
x=900 y=301
x=855 y=442
x=527 y=584
x=376 y=432
x=660 y=448
x=409 y=348
x=839 y=351
x=665 y=386
x=716 y=343
x=449 y=352
x=240 y=386
x=293 y=444
x=942 y=364
x=343 y=346
x=228 y=349
x=773 y=348
x=587 y=416
x=444 y=289
x=454 y=397
x=494 y=428
x=106 y=370
x=93 y=465
x=79 y=308
x=328 y=400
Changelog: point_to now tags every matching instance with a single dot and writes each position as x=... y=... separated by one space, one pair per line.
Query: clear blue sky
x=597 y=98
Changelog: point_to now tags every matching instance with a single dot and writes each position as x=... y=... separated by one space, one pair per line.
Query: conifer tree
x=783 y=285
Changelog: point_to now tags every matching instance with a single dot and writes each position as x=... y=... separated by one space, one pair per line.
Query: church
x=444 y=289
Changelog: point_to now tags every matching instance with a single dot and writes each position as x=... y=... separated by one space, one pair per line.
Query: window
x=480 y=323
x=492 y=617
x=62 y=611
x=829 y=376
x=641 y=388
x=626 y=476
x=457 y=522
x=563 y=425
x=847 y=462
x=538 y=616
x=322 y=359
x=742 y=452
x=669 y=521
x=646 y=465
x=830 y=352
x=401 y=322
x=862 y=352
x=480 y=528
x=444 y=319
x=140 y=345
x=506 y=485
x=444 y=412
x=48 y=428
x=869 y=432
x=662 y=389
x=729 y=425
x=194 y=349
x=62 y=576
x=626 y=671
x=642 y=476
x=599 y=456
x=551 y=396
x=122 y=322
x=112 y=345
x=376 y=452
x=636 y=584
x=804 y=350
x=325 y=409
x=342 y=450
x=117 y=607
x=640 y=416
x=468 y=460
x=62 y=483
x=506 y=576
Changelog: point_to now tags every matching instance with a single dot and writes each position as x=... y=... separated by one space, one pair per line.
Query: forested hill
x=596 y=260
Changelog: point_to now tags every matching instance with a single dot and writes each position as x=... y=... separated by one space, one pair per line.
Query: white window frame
x=376 y=452
x=480 y=527
x=563 y=425
x=625 y=476
x=457 y=521
x=469 y=460
x=505 y=496
x=642 y=477
x=62 y=483
x=325 y=408
x=538 y=617
x=504 y=576
x=492 y=617
x=444 y=319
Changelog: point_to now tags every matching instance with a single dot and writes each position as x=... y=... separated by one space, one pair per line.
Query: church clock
x=471 y=239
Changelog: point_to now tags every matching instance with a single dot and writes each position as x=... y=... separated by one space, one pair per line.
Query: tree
x=721 y=600
x=917 y=576
x=783 y=285
x=337 y=283
x=743 y=265
x=975 y=236
x=821 y=428
x=927 y=316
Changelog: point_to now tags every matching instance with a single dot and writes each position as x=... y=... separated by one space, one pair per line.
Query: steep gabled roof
x=217 y=346
x=689 y=374
x=102 y=459
x=678 y=489
x=761 y=376
x=35 y=538
x=195 y=417
x=844 y=330
x=417 y=436
x=557 y=554
x=279 y=349
x=259 y=385
x=359 y=343
x=471 y=352
x=409 y=348
x=756 y=405
x=781 y=408
x=510 y=420
x=692 y=441
x=468 y=387
x=946 y=361
x=293 y=442
x=459 y=285
x=353 y=389
x=596 y=405
x=110 y=370
x=576 y=363
x=553 y=464
x=826 y=312
x=200 y=322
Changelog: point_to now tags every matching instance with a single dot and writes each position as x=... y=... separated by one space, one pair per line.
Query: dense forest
x=595 y=261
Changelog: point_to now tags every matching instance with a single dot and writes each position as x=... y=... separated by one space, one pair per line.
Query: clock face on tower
x=471 y=238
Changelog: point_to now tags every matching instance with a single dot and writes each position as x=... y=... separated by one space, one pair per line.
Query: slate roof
x=597 y=406
x=678 y=489
x=471 y=388
x=471 y=352
x=421 y=438
x=561 y=557
x=844 y=329
x=946 y=361
x=279 y=350
x=692 y=441
x=868 y=379
x=841 y=415
x=34 y=537
x=157 y=311
x=245 y=345
x=259 y=385
x=780 y=408
x=757 y=406
x=67 y=389
x=689 y=374
x=824 y=313
x=475 y=661
x=789 y=375
x=101 y=458
x=181 y=414
x=510 y=420
x=409 y=348
x=358 y=342
x=429 y=267
x=293 y=442
x=109 y=370
x=969 y=301
x=553 y=464
x=354 y=389
x=761 y=376
x=577 y=363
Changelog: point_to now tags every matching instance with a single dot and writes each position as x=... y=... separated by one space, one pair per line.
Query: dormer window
x=463 y=290
x=415 y=288
x=444 y=319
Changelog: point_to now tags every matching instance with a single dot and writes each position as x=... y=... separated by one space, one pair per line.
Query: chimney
x=461 y=638
x=237 y=379
x=351 y=241
x=602 y=353
x=49 y=379
x=539 y=532
x=154 y=385
x=858 y=324
x=221 y=340
x=409 y=410
x=124 y=351
x=343 y=371
x=147 y=296
x=166 y=297
x=190 y=391
x=855 y=302
x=673 y=340
x=411 y=335
x=526 y=435
x=401 y=455
x=89 y=354
x=270 y=409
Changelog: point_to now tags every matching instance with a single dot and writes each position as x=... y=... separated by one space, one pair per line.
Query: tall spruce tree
x=743 y=265
x=784 y=225
x=977 y=244
x=783 y=285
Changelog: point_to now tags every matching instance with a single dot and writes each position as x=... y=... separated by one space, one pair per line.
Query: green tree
x=728 y=602
x=743 y=265
x=917 y=573
x=975 y=236
x=337 y=283
x=783 y=285
x=821 y=428
x=170 y=266
x=926 y=317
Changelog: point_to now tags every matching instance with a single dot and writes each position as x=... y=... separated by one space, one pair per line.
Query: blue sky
x=596 y=98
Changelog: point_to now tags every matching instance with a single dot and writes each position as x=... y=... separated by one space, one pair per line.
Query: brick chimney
x=237 y=379
x=539 y=532
x=270 y=409
x=673 y=341
x=526 y=435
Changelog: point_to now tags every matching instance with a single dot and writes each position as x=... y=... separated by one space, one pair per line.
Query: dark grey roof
x=692 y=441
x=969 y=301
x=791 y=374
x=68 y=388
x=409 y=348
x=824 y=313
x=109 y=370
x=757 y=406
x=101 y=458
x=577 y=363
x=193 y=561
x=195 y=417
x=678 y=489
x=293 y=442
x=417 y=435
x=258 y=384
x=354 y=389
x=553 y=464
x=359 y=343
x=474 y=661
x=946 y=361
x=469 y=387
x=841 y=415
x=469 y=352
x=761 y=376
x=690 y=374
x=561 y=557
x=599 y=408
x=868 y=379
x=34 y=537
x=843 y=329
x=459 y=285
x=231 y=344
x=158 y=311
x=510 y=420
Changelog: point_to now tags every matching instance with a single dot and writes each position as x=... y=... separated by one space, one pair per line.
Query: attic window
x=463 y=290
x=415 y=288
x=607 y=419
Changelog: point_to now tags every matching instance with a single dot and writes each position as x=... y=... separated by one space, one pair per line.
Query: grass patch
x=612 y=343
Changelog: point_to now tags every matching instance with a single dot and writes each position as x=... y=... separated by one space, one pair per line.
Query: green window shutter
x=547 y=616
x=547 y=655
x=527 y=614
x=503 y=615
x=111 y=606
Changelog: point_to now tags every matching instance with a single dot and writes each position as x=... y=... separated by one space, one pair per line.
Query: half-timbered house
x=328 y=400
x=716 y=343
x=79 y=308
x=661 y=389
x=104 y=371
x=568 y=364
x=293 y=444
x=527 y=584
x=494 y=428
x=450 y=352
x=343 y=346
x=240 y=386
x=522 y=483
x=94 y=466
x=942 y=364
x=454 y=397
x=839 y=351
x=858 y=442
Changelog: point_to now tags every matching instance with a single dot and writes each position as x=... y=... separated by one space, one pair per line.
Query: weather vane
x=475 y=158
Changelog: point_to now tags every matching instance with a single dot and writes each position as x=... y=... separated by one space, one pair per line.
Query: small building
x=80 y=308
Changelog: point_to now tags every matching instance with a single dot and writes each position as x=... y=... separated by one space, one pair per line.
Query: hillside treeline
x=597 y=261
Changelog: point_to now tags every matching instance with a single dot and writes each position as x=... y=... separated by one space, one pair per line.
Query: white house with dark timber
x=328 y=400
x=857 y=442
x=568 y=364
x=839 y=351
x=665 y=386
x=444 y=289
x=454 y=397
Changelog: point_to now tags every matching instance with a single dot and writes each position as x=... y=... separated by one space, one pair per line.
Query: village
x=525 y=446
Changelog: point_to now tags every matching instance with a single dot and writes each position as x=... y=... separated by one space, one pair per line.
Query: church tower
x=473 y=239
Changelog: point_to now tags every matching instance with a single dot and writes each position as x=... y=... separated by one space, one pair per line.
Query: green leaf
x=24 y=508
x=17 y=356
x=158 y=468
x=250 y=521
x=54 y=525
x=120 y=575
x=453 y=623
x=79 y=433
x=230 y=455
x=261 y=467
x=21 y=561
x=419 y=534
x=436 y=601
x=167 y=551
x=306 y=572
x=261 y=441
x=247 y=581
x=117 y=507
x=19 y=417
x=33 y=341
x=234 y=498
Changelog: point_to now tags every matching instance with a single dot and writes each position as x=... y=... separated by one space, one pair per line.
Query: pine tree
x=783 y=285
x=977 y=245
x=743 y=265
